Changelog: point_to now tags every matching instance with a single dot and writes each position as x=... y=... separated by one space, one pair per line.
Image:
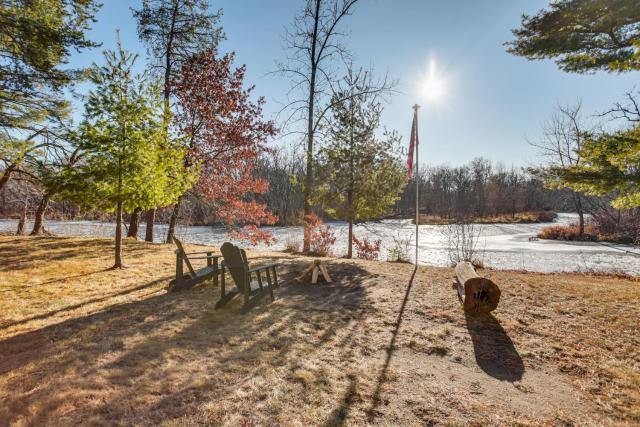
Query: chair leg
x=247 y=289
x=275 y=277
x=222 y=283
x=270 y=284
x=259 y=276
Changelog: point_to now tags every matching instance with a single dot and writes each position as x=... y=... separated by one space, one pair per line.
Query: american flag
x=413 y=144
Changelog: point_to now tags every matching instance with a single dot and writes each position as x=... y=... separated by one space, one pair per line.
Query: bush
x=462 y=242
x=321 y=237
x=399 y=252
x=367 y=249
x=569 y=232
x=292 y=245
x=620 y=226
x=546 y=216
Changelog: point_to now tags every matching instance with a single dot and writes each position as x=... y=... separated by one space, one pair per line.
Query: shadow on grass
x=83 y=303
x=339 y=415
x=494 y=351
x=382 y=378
x=18 y=254
x=172 y=351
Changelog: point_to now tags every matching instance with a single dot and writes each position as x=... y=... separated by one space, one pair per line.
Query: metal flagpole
x=415 y=109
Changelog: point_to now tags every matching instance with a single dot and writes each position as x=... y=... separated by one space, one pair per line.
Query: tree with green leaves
x=36 y=40
x=175 y=30
x=610 y=166
x=126 y=163
x=583 y=35
x=362 y=174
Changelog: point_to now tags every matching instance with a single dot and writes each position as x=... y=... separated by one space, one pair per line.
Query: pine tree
x=36 y=38
x=610 y=166
x=174 y=31
x=362 y=174
x=583 y=35
x=126 y=163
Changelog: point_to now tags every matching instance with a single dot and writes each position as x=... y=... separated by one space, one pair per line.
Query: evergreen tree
x=174 y=31
x=583 y=35
x=36 y=39
x=362 y=174
x=610 y=165
x=126 y=164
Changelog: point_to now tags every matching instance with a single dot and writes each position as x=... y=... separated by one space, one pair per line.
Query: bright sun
x=433 y=84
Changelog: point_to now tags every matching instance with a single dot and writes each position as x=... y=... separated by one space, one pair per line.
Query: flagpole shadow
x=382 y=378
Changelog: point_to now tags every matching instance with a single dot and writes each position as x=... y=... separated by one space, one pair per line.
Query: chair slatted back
x=184 y=256
x=235 y=260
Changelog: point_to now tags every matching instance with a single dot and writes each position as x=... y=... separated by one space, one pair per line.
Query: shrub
x=546 y=216
x=569 y=232
x=399 y=252
x=292 y=245
x=367 y=249
x=462 y=241
x=321 y=237
x=621 y=226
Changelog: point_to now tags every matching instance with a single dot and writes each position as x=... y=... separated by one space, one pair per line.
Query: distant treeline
x=478 y=189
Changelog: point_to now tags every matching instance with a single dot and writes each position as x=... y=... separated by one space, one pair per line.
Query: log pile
x=478 y=294
x=316 y=270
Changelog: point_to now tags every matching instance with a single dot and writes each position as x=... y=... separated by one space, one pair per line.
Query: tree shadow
x=339 y=415
x=382 y=378
x=51 y=313
x=494 y=351
x=137 y=348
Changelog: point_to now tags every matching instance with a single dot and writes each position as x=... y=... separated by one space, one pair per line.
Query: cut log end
x=478 y=294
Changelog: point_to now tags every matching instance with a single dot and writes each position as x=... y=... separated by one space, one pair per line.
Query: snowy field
x=501 y=246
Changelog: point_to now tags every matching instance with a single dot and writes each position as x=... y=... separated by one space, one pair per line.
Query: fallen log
x=478 y=294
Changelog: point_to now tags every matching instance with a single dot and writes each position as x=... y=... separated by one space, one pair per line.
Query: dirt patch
x=80 y=344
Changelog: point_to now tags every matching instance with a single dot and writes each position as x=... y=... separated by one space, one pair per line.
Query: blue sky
x=491 y=100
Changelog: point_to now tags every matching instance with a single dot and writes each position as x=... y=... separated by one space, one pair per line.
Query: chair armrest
x=263 y=267
x=204 y=252
x=203 y=257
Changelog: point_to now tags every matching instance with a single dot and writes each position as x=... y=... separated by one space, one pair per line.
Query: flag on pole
x=413 y=144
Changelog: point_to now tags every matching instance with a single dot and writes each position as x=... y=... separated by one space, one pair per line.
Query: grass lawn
x=81 y=344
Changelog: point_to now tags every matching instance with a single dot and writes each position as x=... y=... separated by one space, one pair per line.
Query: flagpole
x=415 y=112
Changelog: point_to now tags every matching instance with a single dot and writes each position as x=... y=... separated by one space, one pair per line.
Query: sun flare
x=434 y=84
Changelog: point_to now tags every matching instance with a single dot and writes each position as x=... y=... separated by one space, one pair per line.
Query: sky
x=489 y=102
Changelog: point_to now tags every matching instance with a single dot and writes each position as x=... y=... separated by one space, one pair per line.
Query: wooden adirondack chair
x=193 y=277
x=235 y=260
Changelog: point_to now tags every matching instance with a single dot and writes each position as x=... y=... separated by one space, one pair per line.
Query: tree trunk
x=350 y=246
x=580 y=210
x=151 y=219
x=310 y=130
x=173 y=221
x=134 y=223
x=6 y=175
x=38 y=227
x=118 y=263
x=23 y=220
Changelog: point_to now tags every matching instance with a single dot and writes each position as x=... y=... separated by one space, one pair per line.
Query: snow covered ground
x=502 y=246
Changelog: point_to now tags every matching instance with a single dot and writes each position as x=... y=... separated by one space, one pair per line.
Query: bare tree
x=313 y=43
x=563 y=135
x=629 y=110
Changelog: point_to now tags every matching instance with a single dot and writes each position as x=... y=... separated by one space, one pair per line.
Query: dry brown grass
x=518 y=218
x=81 y=344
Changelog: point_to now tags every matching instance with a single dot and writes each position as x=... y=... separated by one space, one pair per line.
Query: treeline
x=478 y=189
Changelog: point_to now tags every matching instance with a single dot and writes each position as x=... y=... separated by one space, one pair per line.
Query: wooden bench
x=235 y=260
x=193 y=277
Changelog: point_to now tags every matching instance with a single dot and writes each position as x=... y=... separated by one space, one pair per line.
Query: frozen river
x=502 y=246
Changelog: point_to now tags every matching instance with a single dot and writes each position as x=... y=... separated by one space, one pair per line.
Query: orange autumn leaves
x=225 y=134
